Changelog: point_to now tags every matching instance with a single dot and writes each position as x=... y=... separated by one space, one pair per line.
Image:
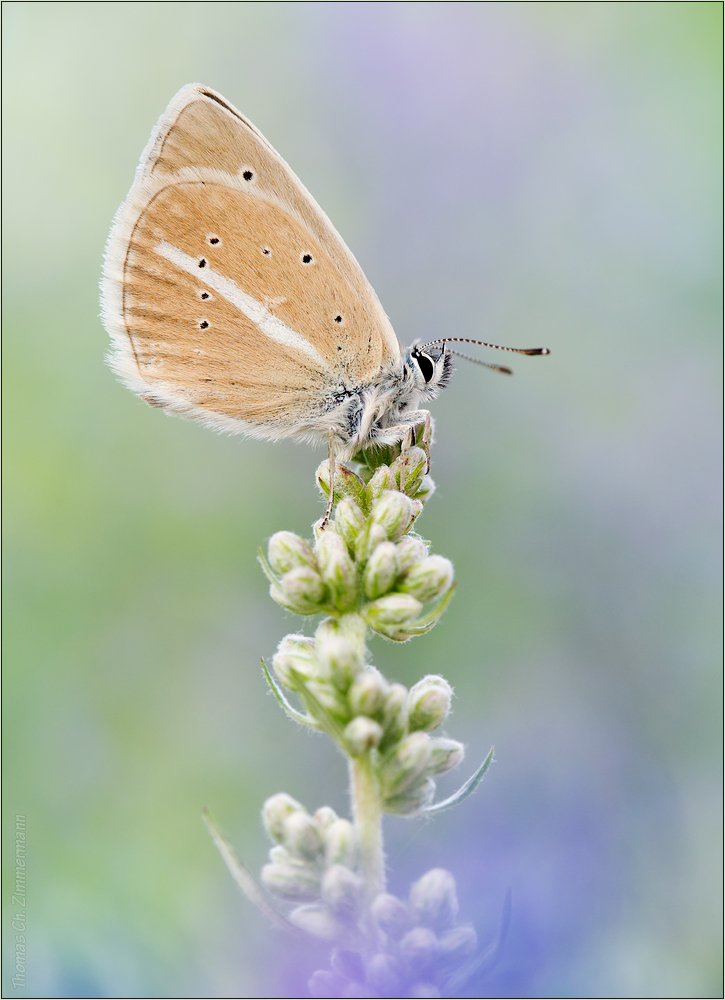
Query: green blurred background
x=528 y=173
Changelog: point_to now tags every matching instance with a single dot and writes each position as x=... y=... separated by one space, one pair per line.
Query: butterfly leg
x=404 y=449
x=426 y=440
x=331 y=463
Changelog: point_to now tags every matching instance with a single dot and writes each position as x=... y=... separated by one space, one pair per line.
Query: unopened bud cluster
x=313 y=865
x=420 y=947
x=366 y=559
x=365 y=713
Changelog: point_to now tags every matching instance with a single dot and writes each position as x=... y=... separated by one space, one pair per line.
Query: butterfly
x=231 y=299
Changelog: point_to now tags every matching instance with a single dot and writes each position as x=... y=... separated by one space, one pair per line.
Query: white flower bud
x=380 y=481
x=395 y=714
x=382 y=570
x=276 y=810
x=391 y=915
x=429 y=702
x=340 y=847
x=419 y=948
x=287 y=551
x=393 y=512
x=383 y=977
x=301 y=836
x=295 y=658
x=300 y=591
x=433 y=900
x=406 y=764
x=318 y=921
x=349 y=521
x=445 y=755
x=361 y=735
x=413 y=799
x=428 y=579
x=342 y=892
x=340 y=658
x=325 y=695
x=368 y=540
x=325 y=817
x=337 y=569
x=411 y=550
x=389 y=613
x=426 y=489
x=293 y=881
x=368 y=691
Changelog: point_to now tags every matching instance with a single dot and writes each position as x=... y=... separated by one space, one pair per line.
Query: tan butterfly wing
x=227 y=292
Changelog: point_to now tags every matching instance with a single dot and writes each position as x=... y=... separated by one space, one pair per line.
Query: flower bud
x=445 y=755
x=419 y=948
x=287 y=551
x=300 y=591
x=340 y=846
x=457 y=945
x=391 y=915
x=426 y=489
x=382 y=570
x=429 y=702
x=340 y=658
x=276 y=810
x=325 y=817
x=411 y=550
x=393 y=512
x=433 y=900
x=301 y=836
x=349 y=521
x=318 y=921
x=321 y=695
x=361 y=735
x=368 y=540
x=380 y=481
x=293 y=881
x=416 y=797
x=428 y=579
x=389 y=613
x=395 y=714
x=368 y=691
x=406 y=764
x=342 y=892
x=383 y=977
x=295 y=658
x=337 y=569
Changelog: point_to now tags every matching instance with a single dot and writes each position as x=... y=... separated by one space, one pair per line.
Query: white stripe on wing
x=270 y=325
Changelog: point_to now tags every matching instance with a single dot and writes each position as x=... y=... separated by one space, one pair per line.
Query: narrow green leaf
x=251 y=889
x=268 y=571
x=464 y=791
x=305 y=720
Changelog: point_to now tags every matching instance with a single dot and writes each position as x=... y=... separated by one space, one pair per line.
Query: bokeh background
x=528 y=173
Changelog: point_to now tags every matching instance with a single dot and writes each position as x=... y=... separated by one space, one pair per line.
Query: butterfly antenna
x=477 y=361
x=482 y=343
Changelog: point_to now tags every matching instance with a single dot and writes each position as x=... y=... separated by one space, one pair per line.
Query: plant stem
x=368 y=820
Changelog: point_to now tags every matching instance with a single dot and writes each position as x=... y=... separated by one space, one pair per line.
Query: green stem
x=367 y=810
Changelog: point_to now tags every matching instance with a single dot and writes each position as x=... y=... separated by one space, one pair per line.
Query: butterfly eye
x=307 y=258
x=426 y=366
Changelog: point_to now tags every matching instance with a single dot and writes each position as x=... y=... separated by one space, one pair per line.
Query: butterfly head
x=431 y=366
